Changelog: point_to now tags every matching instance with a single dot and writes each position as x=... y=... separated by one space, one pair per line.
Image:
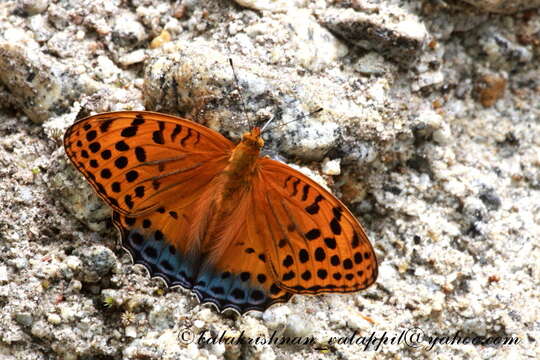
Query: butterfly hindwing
x=148 y=240
x=243 y=281
x=139 y=160
x=238 y=279
x=314 y=243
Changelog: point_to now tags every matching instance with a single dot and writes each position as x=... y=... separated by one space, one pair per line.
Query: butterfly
x=238 y=230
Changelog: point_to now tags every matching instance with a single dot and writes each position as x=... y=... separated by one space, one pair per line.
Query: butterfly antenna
x=288 y=122
x=240 y=93
x=270 y=120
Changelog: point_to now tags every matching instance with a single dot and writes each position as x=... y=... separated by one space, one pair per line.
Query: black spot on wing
x=104 y=126
x=286 y=181
x=130 y=131
x=295 y=187
x=91 y=135
x=314 y=207
x=177 y=130
x=185 y=138
x=121 y=146
x=305 y=192
x=139 y=120
x=140 y=154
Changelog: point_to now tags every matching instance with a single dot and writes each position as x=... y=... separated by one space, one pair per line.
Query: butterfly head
x=253 y=139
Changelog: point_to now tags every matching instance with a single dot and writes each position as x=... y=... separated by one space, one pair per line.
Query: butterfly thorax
x=242 y=162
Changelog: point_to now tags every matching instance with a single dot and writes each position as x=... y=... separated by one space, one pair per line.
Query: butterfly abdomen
x=236 y=180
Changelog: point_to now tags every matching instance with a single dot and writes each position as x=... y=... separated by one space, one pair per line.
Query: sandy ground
x=430 y=133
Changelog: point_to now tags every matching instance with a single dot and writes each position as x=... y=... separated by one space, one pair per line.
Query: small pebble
x=33 y=7
x=73 y=262
x=24 y=319
x=68 y=312
x=331 y=167
x=40 y=330
x=276 y=316
x=54 y=319
x=127 y=30
x=274 y=5
x=158 y=41
x=3 y=274
x=75 y=286
x=267 y=354
x=199 y=324
x=131 y=331
x=490 y=88
x=134 y=57
x=371 y=64
x=298 y=327
x=97 y=261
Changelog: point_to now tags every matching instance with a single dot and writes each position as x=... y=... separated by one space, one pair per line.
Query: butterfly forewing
x=314 y=242
x=138 y=161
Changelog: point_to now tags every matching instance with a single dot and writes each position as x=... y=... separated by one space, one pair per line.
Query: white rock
x=276 y=316
x=3 y=274
x=199 y=324
x=431 y=118
x=19 y=36
x=73 y=262
x=356 y=322
x=412 y=29
x=311 y=141
x=387 y=273
x=75 y=286
x=33 y=7
x=314 y=46
x=267 y=354
x=443 y=136
x=106 y=69
x=331 y=167
x=430 y=78
x=54 y=319
x=372 y=63
x=128 y=30
x=377 y=92
x=297 y=326
x=133 y=57
x=131 y=331
x=218 y=349
x=40 y=329
x=25 y=194
x=67 y=312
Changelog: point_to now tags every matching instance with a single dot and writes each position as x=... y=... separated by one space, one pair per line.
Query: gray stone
x=504 y=6
x=24 y=319
x=97 y=261
x=399 y=37
x=32 y=7
x=39 y=85
x=128 y=31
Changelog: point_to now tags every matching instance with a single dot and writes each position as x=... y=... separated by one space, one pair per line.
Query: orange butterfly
x=240 y=231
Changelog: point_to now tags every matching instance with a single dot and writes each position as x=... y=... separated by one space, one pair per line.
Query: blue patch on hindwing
x=223 y=289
